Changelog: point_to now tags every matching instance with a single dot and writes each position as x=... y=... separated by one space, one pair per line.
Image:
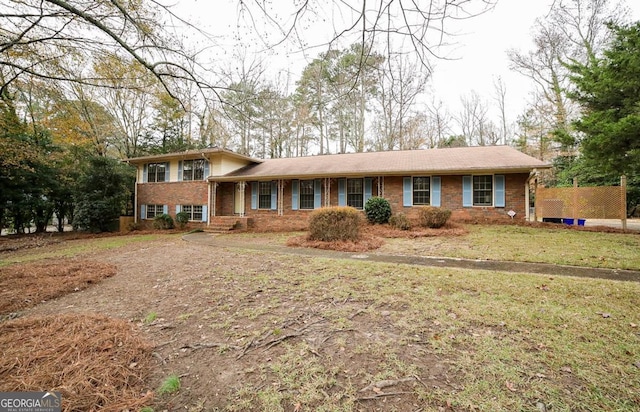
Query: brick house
x=219 y=188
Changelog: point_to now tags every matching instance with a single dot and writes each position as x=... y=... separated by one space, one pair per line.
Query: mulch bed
x=95 y=362
x=26 y=285
x=372 y=237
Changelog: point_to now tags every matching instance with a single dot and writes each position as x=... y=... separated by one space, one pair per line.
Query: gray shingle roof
x=431 y=161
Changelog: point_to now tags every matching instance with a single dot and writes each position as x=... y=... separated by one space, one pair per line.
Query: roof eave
x=506 y=170
x=190 y=154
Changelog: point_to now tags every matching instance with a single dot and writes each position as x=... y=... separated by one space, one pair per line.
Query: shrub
x=335 y=223
x=163 y=222
x=400 y=221
x=101 y=194
x=378 y=210
x=434 y=217
x=182 y=218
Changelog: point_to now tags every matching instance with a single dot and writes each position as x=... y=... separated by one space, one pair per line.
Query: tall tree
x=608 y=91
x=401 y=82
x=312 y=93
x=129 y=101
x=169 y=131
x=52 y=40
x=574 y=30
x=101 y=193
x=474 y=122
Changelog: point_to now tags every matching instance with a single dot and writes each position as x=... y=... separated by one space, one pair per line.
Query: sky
x=478 y=58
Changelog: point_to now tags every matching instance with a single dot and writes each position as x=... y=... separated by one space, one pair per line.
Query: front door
x=238 y=203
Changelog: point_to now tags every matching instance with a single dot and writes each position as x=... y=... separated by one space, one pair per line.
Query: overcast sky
x=479 y=57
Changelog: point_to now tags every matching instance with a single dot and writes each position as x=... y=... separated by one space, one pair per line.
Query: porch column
x=241 y=189
x=213 y=198
x=380 y=186
x=280 y=197
x=327 y=191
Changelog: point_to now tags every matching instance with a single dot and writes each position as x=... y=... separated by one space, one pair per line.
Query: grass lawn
x=76 y=247
x=561 y=246
x=527 y=244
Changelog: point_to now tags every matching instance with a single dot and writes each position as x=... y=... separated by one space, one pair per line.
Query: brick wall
x=171 y=194
x=175 y=193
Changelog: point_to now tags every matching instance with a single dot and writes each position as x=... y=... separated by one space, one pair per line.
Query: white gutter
x=135 y=197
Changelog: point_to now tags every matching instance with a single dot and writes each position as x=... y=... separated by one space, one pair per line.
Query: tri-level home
x=217 y=187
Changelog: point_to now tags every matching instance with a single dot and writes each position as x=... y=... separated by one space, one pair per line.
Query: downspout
x=527 y=194
x=135 y=197
x=208 y=202
x=208 y=190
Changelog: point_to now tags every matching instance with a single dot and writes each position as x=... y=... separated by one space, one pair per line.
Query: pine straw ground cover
x=26 y=285
x=372 y=237
x=95 y=362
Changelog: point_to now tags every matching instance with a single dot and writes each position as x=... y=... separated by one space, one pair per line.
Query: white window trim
x=430 y=189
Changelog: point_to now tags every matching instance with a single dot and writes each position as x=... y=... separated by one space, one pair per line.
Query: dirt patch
x=95 y=362
x=243 y=330
x=26 y=285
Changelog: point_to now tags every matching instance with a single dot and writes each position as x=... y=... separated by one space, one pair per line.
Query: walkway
x=502 y=266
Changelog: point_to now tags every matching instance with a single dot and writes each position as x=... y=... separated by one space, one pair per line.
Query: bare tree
x=401 y=82
x=474 y=122
x=129 y=102
x=500 y=97
x=51 y=39
x=574 y=30
x=418 y=24
x=440 y=123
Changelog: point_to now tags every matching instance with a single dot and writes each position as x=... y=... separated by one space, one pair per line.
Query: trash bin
x=569 y=221
x=552 y=220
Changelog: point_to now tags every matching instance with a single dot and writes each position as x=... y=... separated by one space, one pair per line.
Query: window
x=483 y=190
x=306 y=194
x=154 y=210
x=194 y=212
x=156 y=172
x=264 y=195
x=193 y=169
x=355 y=196
x=421 y=191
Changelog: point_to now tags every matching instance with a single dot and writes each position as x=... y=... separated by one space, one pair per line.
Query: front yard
x=251 y=330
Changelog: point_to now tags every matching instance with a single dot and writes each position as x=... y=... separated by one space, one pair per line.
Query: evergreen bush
x=163 y=222
x=182 y=218
x=378 y=210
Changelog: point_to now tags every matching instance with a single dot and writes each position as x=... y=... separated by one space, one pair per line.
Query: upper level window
x=264 y=195
x=355 y=193
x=483 y=190
x=156 y=172
x=421 y=191
x=306 y=194
x=193 y=169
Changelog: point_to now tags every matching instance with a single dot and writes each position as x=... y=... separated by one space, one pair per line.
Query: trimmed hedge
x=378 y=210
x=434 y=217
x=335 y=223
